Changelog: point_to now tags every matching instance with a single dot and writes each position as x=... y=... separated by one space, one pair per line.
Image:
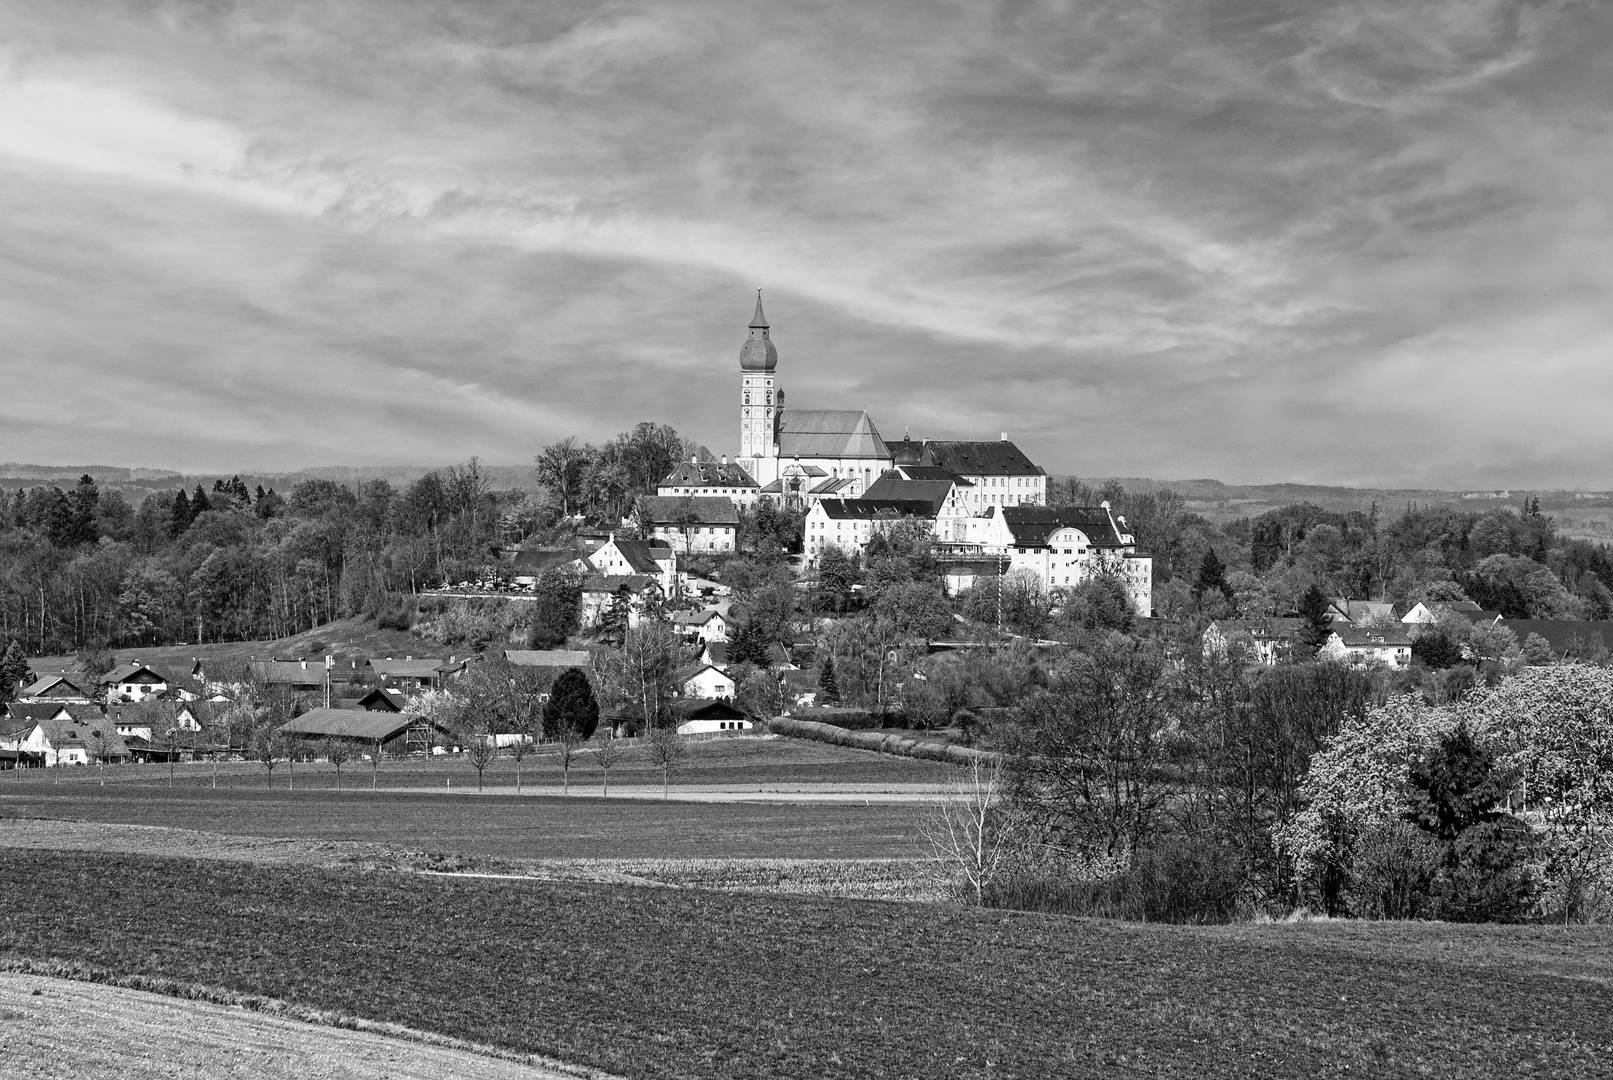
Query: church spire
x=758 y=320
x=758 y=353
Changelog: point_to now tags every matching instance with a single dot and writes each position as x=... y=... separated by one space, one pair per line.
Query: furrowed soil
x=491 y=826
x=57 y=1028
x=657 y=982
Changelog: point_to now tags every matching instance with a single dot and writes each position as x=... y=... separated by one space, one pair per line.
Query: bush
x=1178 y=879
x=1394 y=872
x=1487 y=875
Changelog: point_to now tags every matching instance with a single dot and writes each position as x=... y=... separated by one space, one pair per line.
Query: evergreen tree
x=84 y=502
x=1212 y=578
x=828 y=685
x=1317 y=624
x=613 y=620
x=179 y=521
x=13 y=669
x=198 y=503
x=1455 y=787
x=571 y=706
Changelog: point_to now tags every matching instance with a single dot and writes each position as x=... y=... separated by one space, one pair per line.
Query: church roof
x=979 y=458
x=758 y=319
x=829 y=433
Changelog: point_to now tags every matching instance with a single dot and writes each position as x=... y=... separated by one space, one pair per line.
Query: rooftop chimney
x=725 y=459
x=1005 y=436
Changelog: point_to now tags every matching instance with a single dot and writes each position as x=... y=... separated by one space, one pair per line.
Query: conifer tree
x=828 y=685
x=199 y=503
x=1317 y=623
x=1212 y=577
x=180 y=519
x=13 y=669
x=571 y=707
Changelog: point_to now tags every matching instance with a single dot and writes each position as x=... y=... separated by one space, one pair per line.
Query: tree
x=267 y=747
x=338 y=752
x=13 y=669
x=1212 y=578
x=1455 y=787
x=571 y=706
x=555 y=609
x=100 y=743
x=1316 y=624
x=1436 y=648
x=665 y=749
x=607 y=755
x=567 y=744
x=1101 y=603
x=1092 y=749
x=968 y=829
x=828 y=684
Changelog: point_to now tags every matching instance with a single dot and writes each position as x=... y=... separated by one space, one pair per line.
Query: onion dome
x=758 y=353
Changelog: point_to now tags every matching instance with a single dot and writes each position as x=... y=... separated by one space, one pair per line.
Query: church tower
x=761 y=399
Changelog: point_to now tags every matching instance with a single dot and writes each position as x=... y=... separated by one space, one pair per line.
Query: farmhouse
x=1390 y=646
x=59 y=741
x=706 y=625
x=1430 y=611
x=410 y=673
x=394 y=734
x=714 y=717
x=61 y=686
x=636 y=558
x=305 y=677
x=135 y=681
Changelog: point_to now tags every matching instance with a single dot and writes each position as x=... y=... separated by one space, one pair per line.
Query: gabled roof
x=846 y=509
x=831 y=484
x=299 y=672
x=701 y=709
x=697 y=618
x=716 y=654
x=350 y=723
x=708 y=474
x=828 y=433
x=640 y=555
x=555 y=658
x=62 y=685
x=126 y=672
x=1001 y=458
x=381 y=700
x=1261 y=629
x=934 y=492
x=1032 y=525
x=65 y=733
x=420 y=667
x=697 y=509
x=28 y=713
x=614 y=583
x=1363 y=638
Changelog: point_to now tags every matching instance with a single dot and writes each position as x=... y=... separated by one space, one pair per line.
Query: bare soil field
x=59 y=1028
x=689 y=983
x=911 y=879
x=491 y=826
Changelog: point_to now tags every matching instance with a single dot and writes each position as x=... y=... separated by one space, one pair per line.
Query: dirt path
x=55 y=1028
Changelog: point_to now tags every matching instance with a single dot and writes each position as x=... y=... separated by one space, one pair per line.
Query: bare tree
x=520 y=749
x=607 y=755
x=338 y=752
x=100 y=743
x=665 y=749
x=267 y=746
x=480 y=749
x=968 y=829
x=568 y=741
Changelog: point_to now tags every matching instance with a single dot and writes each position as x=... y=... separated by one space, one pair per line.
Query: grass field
x=492 y=825
x=687 y=983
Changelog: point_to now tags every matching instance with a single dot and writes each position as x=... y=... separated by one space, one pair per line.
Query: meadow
x=655 y=982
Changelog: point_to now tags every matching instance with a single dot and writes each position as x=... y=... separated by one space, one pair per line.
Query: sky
x=1355 y=242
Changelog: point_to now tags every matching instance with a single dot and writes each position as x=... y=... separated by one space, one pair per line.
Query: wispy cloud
x=1362 y=241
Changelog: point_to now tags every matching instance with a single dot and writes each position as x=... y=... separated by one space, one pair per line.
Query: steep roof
x=708 y=474
x=929 y=472
x=535 y=560
x=62 y=686
x=758 y=353
x=831 y=484
x=1032 y=525
x=933 y=492
x=829 y=433
x=65 y=733
x=126 y=672
x=698 y=509
x=640 y=555
x=614 y=583
x=21 y=714
x=979 y=458
x=350 y=723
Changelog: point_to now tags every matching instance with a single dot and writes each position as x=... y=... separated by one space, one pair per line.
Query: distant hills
x=1212 y=498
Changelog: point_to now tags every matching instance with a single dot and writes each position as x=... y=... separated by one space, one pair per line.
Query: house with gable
x=135 y=681
x=645 y=558
x=708 y=523
x=1063 y=546
x=59 y=686
x=1390 y=646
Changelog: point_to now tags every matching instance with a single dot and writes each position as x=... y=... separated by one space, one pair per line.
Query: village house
x=1266 y=641
x=996 y=473
x=1064 y=546
x=706 y=625
x=1431 y=611
x=58 y=686
x=63 y=740
x=411 y=673
x=717 y=717
x=709 y=682
x=135 y=681
x=1390 y=646
x=689 y=523
x=710 y=479
x=642 y=558
x=305 y=677
x=527 y=564
x=638 y=592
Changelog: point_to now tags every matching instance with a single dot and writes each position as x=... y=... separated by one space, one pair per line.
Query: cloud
x=1260 y=239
